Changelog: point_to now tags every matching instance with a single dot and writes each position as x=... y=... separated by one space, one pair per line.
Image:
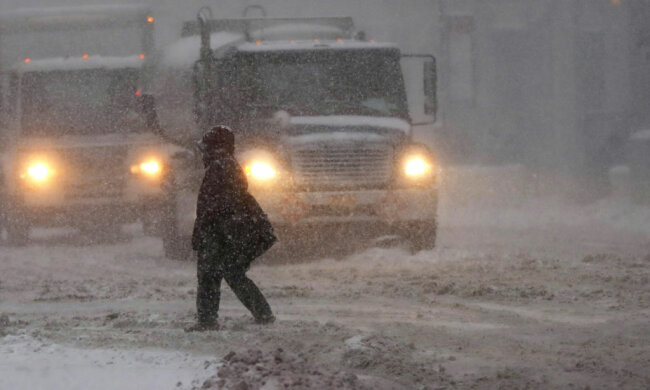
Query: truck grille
x=339 y=165
x=96 y=172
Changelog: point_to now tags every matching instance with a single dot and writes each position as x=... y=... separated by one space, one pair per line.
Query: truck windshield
x=324 y=82
x=79 y=102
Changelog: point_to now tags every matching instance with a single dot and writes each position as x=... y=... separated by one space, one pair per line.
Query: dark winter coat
x=229 y=221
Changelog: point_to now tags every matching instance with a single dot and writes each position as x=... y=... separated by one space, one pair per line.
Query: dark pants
x=212 y=267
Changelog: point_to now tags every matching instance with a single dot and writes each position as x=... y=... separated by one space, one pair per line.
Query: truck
x=321 y=117
x=76 y=147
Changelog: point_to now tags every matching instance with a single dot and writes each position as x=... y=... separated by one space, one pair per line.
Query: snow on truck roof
x=266 y=35
x=79 y=63
x=352 y=120
x=342 y=26
x=298 y=31
x=185 y=52
x=262 y=46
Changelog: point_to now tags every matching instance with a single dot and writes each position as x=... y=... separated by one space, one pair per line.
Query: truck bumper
x=373 y=206
x=89 y=212
x=395 y=207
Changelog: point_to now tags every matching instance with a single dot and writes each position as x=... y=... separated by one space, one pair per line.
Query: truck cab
x=78 y=151
x=322 y=121
x=78 y=148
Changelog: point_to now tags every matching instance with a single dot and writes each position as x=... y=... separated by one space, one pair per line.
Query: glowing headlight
x=39 y=172
x=260 y=170
x=417 y=167
x=148 y=167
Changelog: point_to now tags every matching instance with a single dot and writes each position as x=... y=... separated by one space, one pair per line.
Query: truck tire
x=17 y=228
x=176 y=247
x=422 y=235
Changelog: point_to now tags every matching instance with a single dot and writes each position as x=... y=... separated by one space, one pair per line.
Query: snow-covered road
x=541 y=295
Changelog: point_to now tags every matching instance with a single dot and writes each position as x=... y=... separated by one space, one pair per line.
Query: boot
x=264 y=320
x=202 y=327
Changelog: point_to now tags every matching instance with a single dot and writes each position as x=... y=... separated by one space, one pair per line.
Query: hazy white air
x=459 y=188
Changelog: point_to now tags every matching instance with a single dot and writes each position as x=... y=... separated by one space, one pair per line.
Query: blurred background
x=556 y=88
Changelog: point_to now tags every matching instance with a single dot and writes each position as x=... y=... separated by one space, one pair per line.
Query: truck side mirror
x=430 y=87
x=421 y=83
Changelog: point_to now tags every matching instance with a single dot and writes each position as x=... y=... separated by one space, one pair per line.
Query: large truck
x=77 y=150
x=322 y=121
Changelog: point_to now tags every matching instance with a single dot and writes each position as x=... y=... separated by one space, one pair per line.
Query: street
x=541 y=295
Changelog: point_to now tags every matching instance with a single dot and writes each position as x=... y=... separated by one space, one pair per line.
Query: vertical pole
x=204 y=72
x=566 y=137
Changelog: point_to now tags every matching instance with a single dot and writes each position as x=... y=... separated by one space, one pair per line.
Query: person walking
x=231 y=230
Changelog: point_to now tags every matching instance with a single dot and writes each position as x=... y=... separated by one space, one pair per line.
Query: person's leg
x=208 y=292
x=250 y=295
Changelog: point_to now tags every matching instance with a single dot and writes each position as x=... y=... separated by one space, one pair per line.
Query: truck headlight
x=38 y=172
x=260 y=170
x=151 y=167
x=417 y=167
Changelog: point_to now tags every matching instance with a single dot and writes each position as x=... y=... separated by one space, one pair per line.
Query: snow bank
x=513 y=197
x=254 y=369
x=546 y=213
x=28 y=363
